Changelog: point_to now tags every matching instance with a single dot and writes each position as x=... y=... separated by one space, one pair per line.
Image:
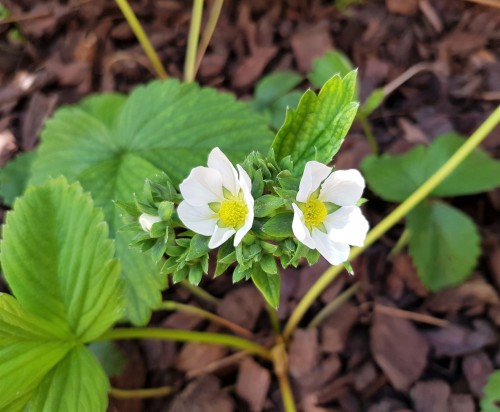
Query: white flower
x=147 y=221
x=217 y=200
x=326 y=217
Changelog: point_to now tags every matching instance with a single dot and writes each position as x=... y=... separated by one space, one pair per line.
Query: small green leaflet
x=331 y=63
x=444 y=244
x=394 y=178
x=316 y=129
x=59 y=263
x=268 y=285
x=491 y=398
x=111 y=143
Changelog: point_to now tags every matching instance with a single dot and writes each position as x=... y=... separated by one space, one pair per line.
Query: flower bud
x=147 y=221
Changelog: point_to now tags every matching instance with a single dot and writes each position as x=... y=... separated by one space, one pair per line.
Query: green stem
x=400 y=244
x=273 y=318
x=368 y=130
x=334 y=305
x=200 y=293
x=208 y=32
x=192 y=44
x=180 y=307
x=286 y=393
x=280 y=364
x=143 y=38
x=397 y=214
x=187 y=336
x=140 y=393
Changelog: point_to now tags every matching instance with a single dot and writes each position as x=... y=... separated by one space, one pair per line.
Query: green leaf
x=491 y=399
x=111 y=143
x=316 y=129
x=58 y=261
x=267 y=204
x=279 y=108
x=323 y=68
x=279 y=226
x=274 y=86
x=444 y=244
x=198 y=247
x=77 y=383
x=14 y=176
x=372 y=102
x=29 y=347
x=109 y=356
x=268 y=285
x=394 y=178
x=268 y=264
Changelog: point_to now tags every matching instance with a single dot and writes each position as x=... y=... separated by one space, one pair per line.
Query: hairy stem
x=187 y=336
x=143 y=38
x=140 y=393
x=192 y=44
x=397 y=214
x=202 y=313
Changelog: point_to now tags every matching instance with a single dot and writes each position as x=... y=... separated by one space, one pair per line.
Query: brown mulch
x=368 y=355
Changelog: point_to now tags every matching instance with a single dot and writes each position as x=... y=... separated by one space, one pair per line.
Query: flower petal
x=219 y=236
x=343 y=187
x=334 y=252
x=219 y=161
x=200 y=219
x=314 y=174
x=147 y=221
x=246 y=185
x=299 y=229
x=202 y=186
x=347 y=225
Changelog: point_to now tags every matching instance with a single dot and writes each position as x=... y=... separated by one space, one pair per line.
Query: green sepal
x=130 y=208
x=180 y=274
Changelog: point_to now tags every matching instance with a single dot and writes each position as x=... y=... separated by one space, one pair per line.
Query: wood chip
x=197 y=355
x=430 y=396
x=477 y=367
x=253 y=384
x=404 y=7
x=304 y=352
x=242 y=306
x=310 y=42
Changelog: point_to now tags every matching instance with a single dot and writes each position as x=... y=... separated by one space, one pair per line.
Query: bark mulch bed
x=394 y=346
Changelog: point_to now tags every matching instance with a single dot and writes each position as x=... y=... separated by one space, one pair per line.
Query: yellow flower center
x=314 y=212
x=232 y=212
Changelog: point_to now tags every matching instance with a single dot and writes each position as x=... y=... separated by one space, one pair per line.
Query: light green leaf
x=58 y=261
x=394 y=178
x=316 y=129
x=77 y=383
x=14 y=176
x=279 y=108
x=29 y=348
x=323 y=68
x=444 y=244
x=269 y=285
x=372 y=102
x=267 y=204
x=112 y=143
x=491 y=398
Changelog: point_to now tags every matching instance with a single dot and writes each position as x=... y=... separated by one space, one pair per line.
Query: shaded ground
x=366 y=356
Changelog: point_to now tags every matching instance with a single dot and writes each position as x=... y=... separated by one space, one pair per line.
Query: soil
x=393 y=346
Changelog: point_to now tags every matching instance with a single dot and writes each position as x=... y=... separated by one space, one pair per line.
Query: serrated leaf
x=331 y=63
x=491 y=399
x=29 y=347
x=111 y=143
x=77 y=383
x=58 y=260
x=268 y=285
x=14 y=176
x=394 y=178
x=316 y=129
x=444 y=244
x=279 y=226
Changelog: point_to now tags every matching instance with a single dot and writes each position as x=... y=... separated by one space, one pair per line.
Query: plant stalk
x=187 y=336
x=192 y=44
x=208 y=32
x=136 y=27
x=397 y=214
x=202 y=313
x=140 y=393
x=200 y=293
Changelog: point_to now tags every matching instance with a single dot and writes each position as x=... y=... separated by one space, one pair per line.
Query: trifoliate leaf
x=491 y=398
x=58 y=260
x=444 y=244
x=14 y=176
x=394 y=178
x=111 y=143
x=77 y=383
x=316 y=129
x=268 y=285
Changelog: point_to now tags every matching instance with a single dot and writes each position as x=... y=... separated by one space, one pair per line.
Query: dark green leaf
x=198 y=247
x=109 y=356
x=444 y=244
x=195 y=274
x=269 y=285
x=274 y=86
x=316 y=129
x=279 y=226
x=14 y=177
